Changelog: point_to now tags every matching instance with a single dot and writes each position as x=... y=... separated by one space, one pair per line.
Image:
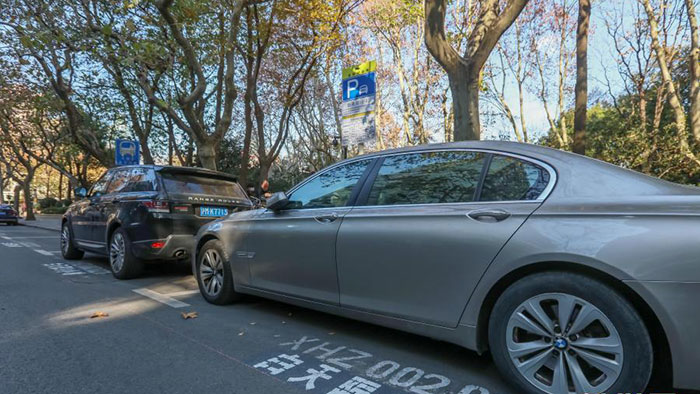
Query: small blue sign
x=359 y=86
x=127 y=153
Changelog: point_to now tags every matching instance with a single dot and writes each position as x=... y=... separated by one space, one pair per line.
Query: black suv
x=147 y=212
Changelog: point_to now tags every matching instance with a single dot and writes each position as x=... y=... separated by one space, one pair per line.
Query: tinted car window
x=511 y=179
x=141 y=180
x=427 y=178
x=119 y=180
x=180 y=183
x=331 y=188
x=100 y=186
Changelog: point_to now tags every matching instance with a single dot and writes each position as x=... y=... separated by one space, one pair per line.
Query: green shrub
x=54 y=210
x=47 y=202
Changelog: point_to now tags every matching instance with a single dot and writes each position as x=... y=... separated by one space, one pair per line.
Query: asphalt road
x=50 y=344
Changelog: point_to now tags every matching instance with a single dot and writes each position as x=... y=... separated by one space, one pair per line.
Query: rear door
x=427 y=230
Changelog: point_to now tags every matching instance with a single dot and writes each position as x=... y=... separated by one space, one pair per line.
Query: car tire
x=68 y=249
x=213 y=274
x=615 y=326
x=122 y=262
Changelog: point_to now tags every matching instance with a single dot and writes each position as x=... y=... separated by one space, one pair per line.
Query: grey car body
x=431 y=269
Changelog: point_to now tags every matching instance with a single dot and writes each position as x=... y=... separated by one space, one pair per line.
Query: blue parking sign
x=359 y=86
x=126 y=153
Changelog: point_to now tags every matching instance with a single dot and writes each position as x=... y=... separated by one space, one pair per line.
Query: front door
x=420 y=243
x=83 y=221
x=292 y=251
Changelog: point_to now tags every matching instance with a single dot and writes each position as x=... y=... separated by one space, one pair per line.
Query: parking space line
x=163 y=299
x=44 y=252
x=5 y=237
x=182 y=293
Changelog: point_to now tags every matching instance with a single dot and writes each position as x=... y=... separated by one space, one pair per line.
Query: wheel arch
x=203 y=240
x=663 y=369
x=111 y=227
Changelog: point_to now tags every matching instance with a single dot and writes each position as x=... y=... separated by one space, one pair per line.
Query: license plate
x=213 y=211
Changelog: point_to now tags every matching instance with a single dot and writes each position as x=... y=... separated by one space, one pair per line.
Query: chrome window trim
x=543 y=196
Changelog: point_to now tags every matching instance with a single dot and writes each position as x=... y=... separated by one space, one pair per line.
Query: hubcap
x=116 y=252
x=564 y=344
x=65 y=239
x=211 y=272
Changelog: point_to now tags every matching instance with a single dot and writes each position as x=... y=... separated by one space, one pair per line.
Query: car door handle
x=489 y=215
x=326 y=218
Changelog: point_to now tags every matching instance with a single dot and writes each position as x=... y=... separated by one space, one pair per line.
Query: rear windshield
x=197 y=184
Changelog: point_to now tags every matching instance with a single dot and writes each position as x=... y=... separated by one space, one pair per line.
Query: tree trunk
x=2 y=187
x=465 y=106
x=16 y=197
x=206 y=152
x=581 y=101
x=264 y=173
x=29 y=204
x=694 y=70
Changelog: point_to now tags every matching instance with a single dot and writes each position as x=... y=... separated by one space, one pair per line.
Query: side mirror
x=80 y=192
x=277 y=201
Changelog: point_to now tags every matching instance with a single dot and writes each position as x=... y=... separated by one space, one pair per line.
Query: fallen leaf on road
x=241 y=333
x=331 y=333
x=189 y=315
x=284 y=322
x=289 y=314
x=99 y=314
x=252 y=323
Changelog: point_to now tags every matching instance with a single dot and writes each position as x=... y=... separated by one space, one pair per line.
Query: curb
x=38 y=226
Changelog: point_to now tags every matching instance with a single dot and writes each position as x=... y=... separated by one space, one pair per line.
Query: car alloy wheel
x=117 y=250
x=563 y=344
x=211 y=272
x=65 y=239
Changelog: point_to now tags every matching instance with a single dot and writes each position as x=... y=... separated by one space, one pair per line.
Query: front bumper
x=177 y=247
x=675 y=304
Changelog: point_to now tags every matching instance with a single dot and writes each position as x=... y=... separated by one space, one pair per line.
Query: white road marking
x=5 y=237
x=163 y=299
x=29 y=244
x=182 y=293
x=45 y=253
x=11 y=245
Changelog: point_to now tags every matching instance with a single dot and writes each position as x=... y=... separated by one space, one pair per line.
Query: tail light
x=156 y=206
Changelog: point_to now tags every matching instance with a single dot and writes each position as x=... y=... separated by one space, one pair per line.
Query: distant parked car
x=8 y=215
x=577 y=275
x=143 y=213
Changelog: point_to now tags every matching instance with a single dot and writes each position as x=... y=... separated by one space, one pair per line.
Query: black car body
x=147 y=212
x=8 y=215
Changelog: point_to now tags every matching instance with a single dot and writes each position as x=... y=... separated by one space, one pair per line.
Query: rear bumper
x=8 y=219
x=675 y=303
x=177 y=247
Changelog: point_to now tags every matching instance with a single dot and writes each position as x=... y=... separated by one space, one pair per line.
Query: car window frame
x=355 y=190
x=369 y=182
x=108 y=174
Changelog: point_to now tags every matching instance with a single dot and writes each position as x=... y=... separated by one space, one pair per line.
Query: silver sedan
x=577 y=275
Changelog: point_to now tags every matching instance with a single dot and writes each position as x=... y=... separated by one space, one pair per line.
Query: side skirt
x=461 y=335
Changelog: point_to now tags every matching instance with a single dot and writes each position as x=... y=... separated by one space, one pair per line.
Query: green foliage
x=48 y=202
x=53 y=210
